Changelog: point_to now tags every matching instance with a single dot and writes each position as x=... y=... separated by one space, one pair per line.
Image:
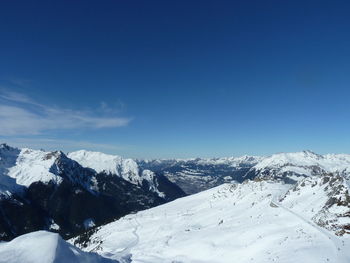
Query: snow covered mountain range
x=195 y=175
x=287 y=207
x=290 y=166
x=54 y=192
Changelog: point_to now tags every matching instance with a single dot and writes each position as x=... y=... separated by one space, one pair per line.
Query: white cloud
x=21 y=115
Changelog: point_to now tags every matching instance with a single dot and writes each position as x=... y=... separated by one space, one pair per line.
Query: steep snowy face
x=33 y=166
x=324 y=200
x=45 y=247
x=109 y=164
x=23 y=167
x=295 y=166
x=230 y=223
x=8 y=158
x=127 y=169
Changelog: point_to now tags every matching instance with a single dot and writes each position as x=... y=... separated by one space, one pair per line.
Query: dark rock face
x=68 y=206
x=166 y=186
x=18 y=216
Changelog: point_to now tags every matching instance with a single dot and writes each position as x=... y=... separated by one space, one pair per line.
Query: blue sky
x=151 y=79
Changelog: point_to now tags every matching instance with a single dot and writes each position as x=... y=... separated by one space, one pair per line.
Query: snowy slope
x=230 y=223
x=45 y=247
x=325 y=200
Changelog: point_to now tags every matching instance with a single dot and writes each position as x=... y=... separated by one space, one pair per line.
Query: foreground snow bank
x=45 y=247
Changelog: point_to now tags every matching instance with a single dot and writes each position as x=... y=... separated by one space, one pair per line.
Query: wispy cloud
x=21 y=115
x=16 y=97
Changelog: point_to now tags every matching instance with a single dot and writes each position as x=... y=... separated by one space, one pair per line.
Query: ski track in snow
x=124 y=255
x=219 y=225
x=309 y=223
x=336 y=243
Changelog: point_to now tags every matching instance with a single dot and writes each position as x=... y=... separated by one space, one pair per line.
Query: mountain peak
x=3 y=145
x=98 y=161
x=6 y=147
x=309 y=152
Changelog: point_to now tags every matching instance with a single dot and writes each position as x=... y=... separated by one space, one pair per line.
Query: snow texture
x=240 y=223
x=45 y=247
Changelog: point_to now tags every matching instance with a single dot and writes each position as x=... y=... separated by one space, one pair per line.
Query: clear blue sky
x=176 y=78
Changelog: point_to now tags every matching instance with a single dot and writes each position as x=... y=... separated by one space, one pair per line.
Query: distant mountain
x=292 y=166
x=53 y=192
x=195 y=175
x=127 y=169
